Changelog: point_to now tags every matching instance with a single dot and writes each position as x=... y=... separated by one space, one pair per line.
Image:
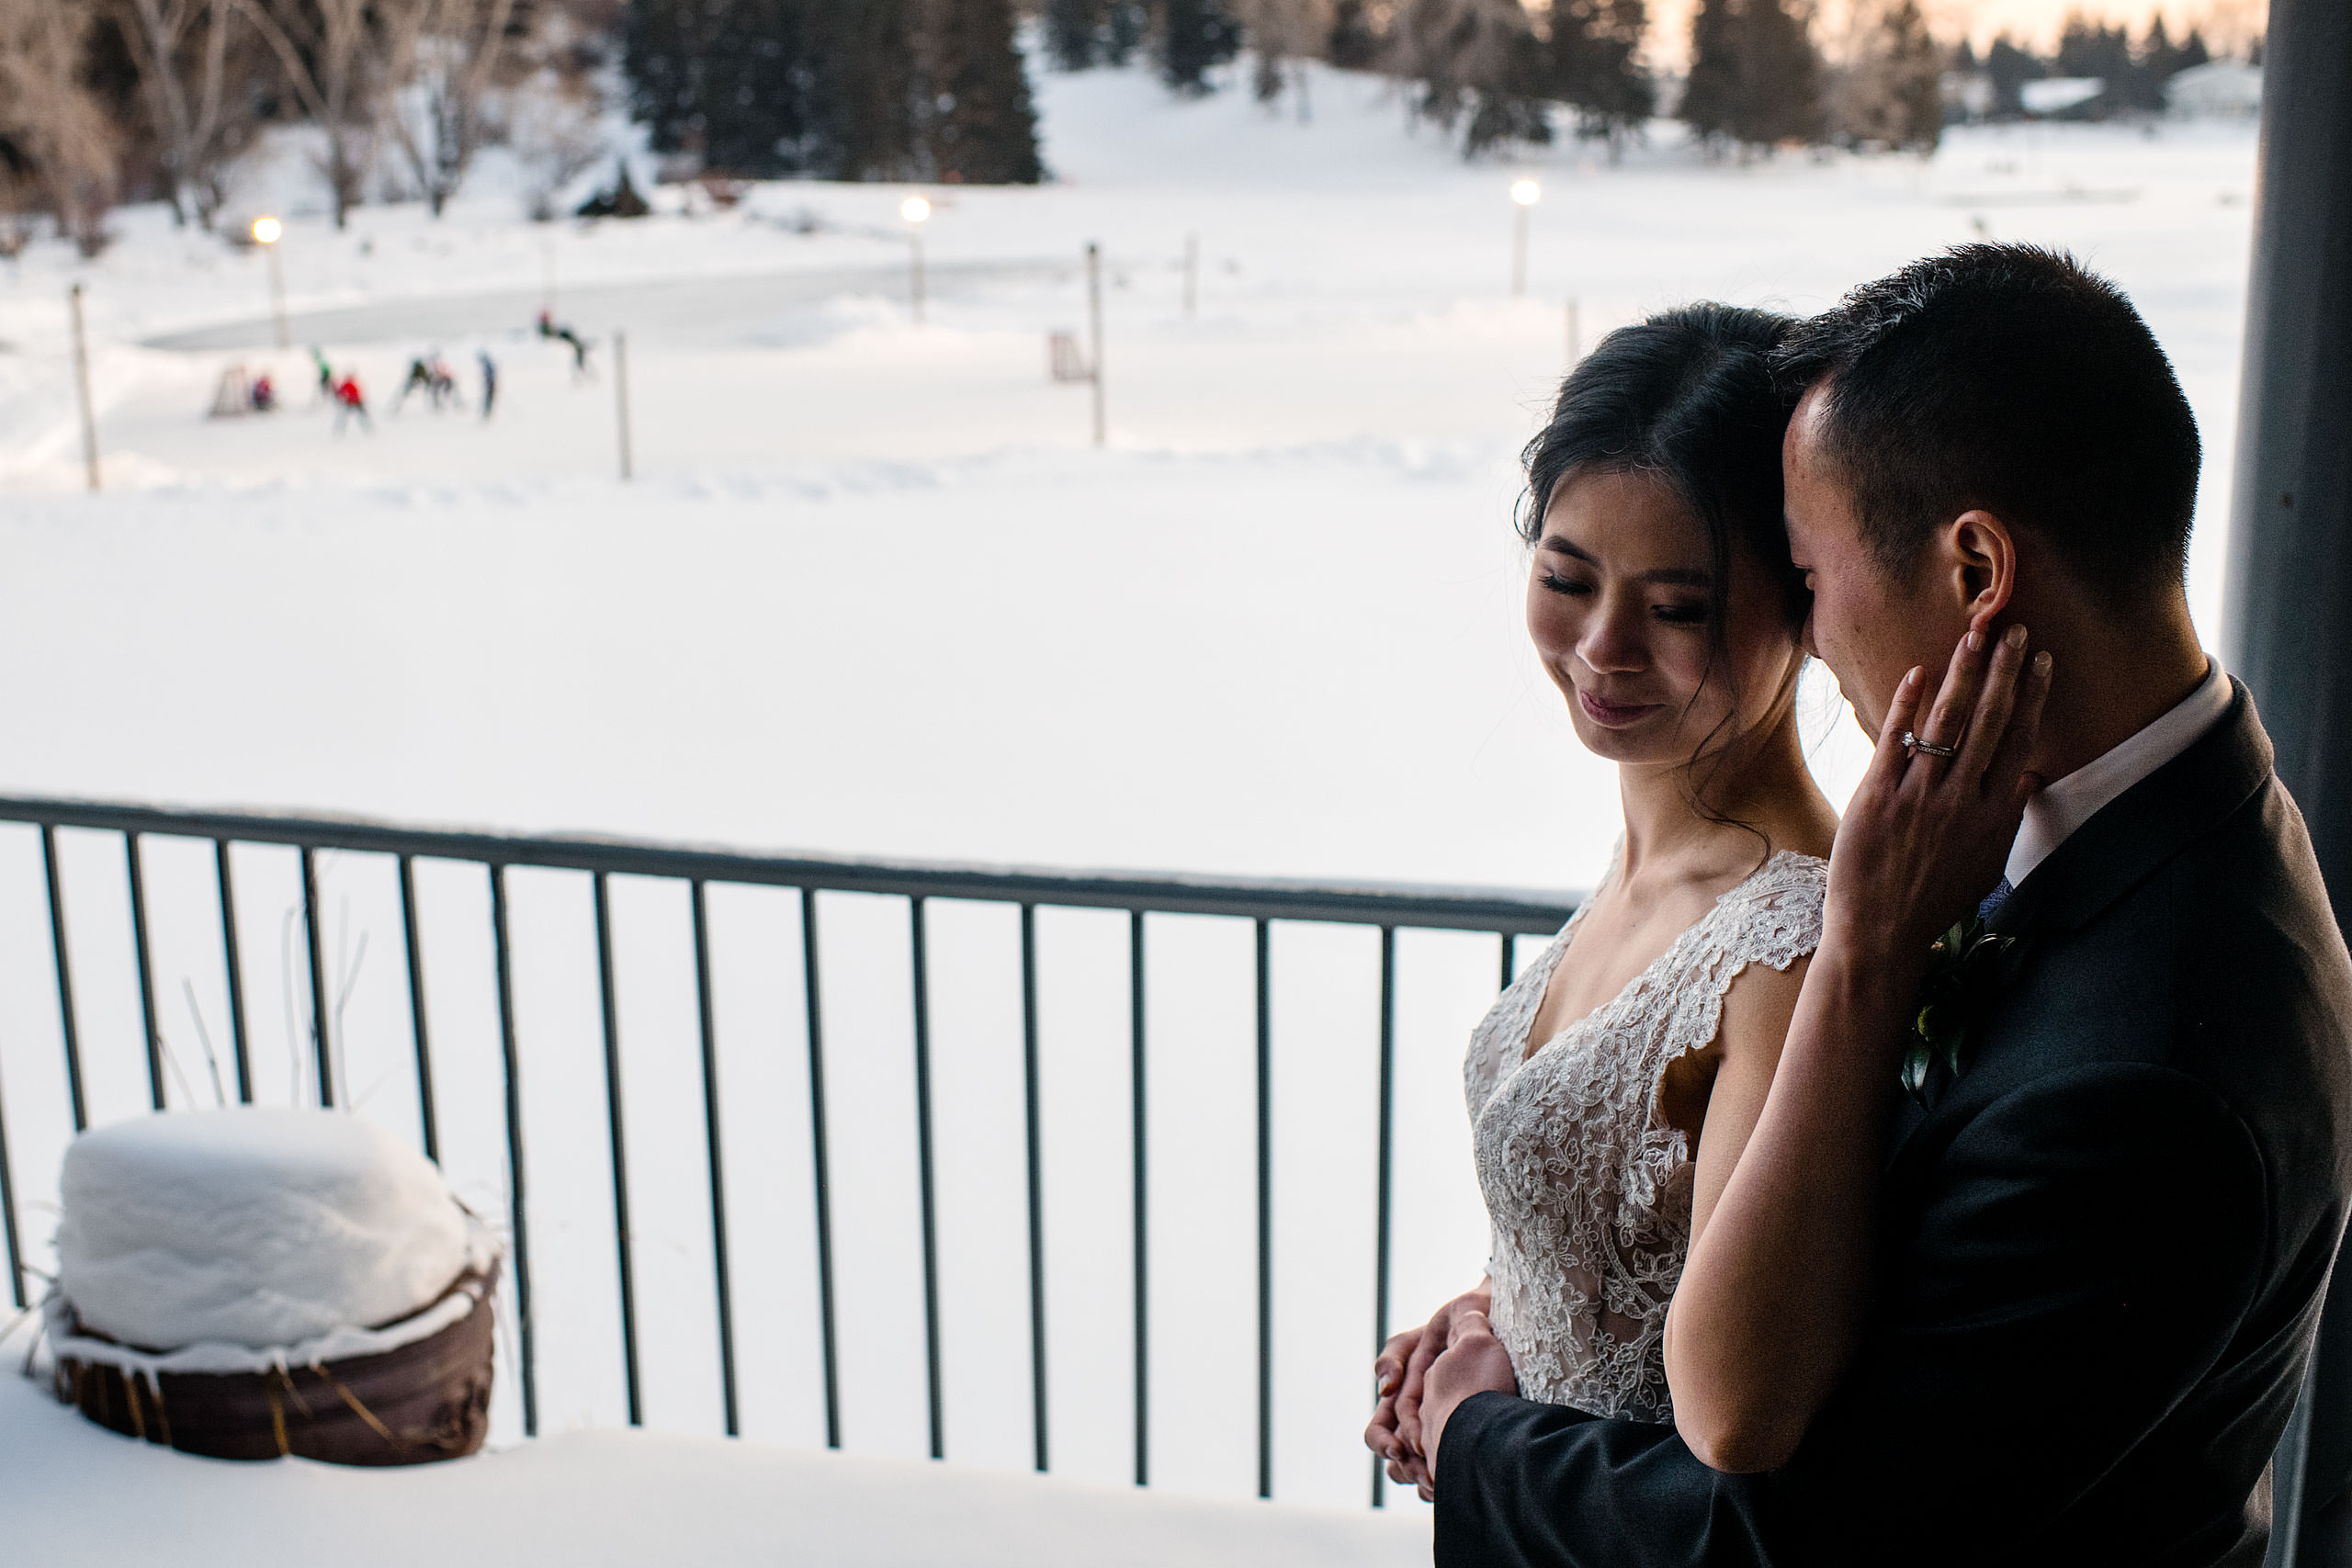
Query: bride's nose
x=1611 y=642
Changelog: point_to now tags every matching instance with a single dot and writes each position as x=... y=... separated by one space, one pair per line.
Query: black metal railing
x=1386 y=909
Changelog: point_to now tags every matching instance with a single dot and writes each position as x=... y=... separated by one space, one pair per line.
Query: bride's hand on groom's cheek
x=1927 y=833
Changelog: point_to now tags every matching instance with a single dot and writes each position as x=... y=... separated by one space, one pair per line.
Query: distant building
x=2221 y=89
x=2057 y=95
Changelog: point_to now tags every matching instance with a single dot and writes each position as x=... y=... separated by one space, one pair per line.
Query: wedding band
x=1913 y=743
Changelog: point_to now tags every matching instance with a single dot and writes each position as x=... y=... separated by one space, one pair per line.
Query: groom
x=2103 y=1245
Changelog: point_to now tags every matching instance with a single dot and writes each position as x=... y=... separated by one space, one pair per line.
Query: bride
x=1615 y=1083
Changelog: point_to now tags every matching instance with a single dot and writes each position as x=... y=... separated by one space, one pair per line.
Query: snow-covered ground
x=872 y=592
x=627 y=1500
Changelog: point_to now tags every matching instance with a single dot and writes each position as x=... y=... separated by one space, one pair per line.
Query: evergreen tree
x=985 y=127
x=1074 y=32
x=835 y=89
x=1129 y=24
x=1353 y=45
x=2193 y=51
x=729 y=82
x=2009 y=68
x=1711 y=90
x=1782 y=97
x=1755 y=77
x=1596 y=66
x=1512 y=103
x=2088 y=49
x=1195 y=35
x=2157 y=60
x=869 y=96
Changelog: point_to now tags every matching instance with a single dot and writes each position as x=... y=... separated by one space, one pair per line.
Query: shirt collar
x=2060 y=808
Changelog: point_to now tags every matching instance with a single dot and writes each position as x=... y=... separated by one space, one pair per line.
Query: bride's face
x=1621 y=606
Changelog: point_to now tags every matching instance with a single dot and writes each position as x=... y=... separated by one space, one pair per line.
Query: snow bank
x=629 y=1498
x=251 y=1226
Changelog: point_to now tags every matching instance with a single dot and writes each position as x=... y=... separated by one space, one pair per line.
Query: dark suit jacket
x=2101 y=1251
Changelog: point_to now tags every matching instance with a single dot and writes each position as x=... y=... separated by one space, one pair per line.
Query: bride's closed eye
x=1558 y=584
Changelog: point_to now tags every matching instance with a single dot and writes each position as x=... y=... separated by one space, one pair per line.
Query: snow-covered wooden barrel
x=250 y=1283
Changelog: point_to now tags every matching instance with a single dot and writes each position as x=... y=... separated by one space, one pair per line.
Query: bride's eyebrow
x=1673 y=576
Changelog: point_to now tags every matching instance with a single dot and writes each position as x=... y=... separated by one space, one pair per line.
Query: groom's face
x=1868 y=624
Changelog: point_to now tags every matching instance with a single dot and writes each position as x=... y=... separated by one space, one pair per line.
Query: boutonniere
x=1952 y=998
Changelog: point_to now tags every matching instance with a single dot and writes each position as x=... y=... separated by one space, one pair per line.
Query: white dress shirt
x=2064 y=804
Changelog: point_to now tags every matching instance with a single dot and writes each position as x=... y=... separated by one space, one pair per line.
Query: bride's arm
x=1764 y=1317
x=1771 y=1298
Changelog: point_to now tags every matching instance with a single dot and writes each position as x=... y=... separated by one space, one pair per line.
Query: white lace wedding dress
x=1589 y=1191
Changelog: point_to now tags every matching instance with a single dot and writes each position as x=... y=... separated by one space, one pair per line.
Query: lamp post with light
x=1524 y=194
x=915 y=210
x=266 y=233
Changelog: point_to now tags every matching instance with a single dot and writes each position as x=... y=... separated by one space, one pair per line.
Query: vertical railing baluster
x=623 y=1245
x=1265 y=1214
x=8 y=1218
x=233 y=967
x=426 y=1109
x=516 y=1214
x=133 y=863
x=1036 y=1182
x=921 y=953
x=320 y=1005
x=1510 y=953
x=1387 y=1137
x=1143 y=1276
x=822 y=1161
x=717 y=1162
x=64 y=977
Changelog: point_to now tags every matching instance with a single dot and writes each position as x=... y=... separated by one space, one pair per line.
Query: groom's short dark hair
x=2012 y=379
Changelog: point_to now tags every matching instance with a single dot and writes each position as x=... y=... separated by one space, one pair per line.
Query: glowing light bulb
x=915 y=209
x=1527 y=193
x=268 y=230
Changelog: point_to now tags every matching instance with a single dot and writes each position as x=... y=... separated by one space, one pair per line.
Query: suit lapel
x=2121 y=847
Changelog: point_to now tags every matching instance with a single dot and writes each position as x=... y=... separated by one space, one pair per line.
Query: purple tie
x=1993 y=900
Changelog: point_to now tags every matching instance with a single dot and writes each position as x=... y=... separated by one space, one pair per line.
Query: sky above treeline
x=2228 y=23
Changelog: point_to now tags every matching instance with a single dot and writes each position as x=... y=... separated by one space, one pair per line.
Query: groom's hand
x=1395 y=1433
x=1474 y=1362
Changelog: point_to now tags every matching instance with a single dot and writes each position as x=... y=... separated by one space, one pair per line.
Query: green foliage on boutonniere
x=1959 y=984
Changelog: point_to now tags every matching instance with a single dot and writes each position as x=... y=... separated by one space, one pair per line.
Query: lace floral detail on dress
x=1589 y=1191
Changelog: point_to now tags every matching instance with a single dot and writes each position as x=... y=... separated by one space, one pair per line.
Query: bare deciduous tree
x=51 y=118
x=183 y=77
x=441 y=58
x=1284 y=35
x=326 y=50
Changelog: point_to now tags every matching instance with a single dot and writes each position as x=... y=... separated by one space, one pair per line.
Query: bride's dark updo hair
x=1688 y=397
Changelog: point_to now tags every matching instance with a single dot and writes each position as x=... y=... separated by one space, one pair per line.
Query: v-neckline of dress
x=1528 y=1051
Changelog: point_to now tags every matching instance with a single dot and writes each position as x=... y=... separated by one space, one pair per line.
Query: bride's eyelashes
x=1672 y=613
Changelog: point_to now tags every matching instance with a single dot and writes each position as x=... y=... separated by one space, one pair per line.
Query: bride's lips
x=1613 y=715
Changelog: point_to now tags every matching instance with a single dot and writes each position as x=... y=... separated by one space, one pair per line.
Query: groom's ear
x=1981 y=564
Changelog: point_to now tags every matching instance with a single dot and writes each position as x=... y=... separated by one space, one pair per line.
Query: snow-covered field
x=872 y=592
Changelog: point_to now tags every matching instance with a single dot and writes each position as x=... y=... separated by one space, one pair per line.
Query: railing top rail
x=1467 y=908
